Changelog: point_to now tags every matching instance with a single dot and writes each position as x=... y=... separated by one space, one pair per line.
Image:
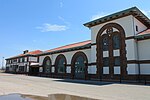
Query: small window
x=116 y=41
x=47 y=66
x=136 y=28
x=22 y=59
x=106 y=61
x=105 y=43
x=117 y=61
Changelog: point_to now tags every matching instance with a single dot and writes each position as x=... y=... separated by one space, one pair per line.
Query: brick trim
x=99 y=49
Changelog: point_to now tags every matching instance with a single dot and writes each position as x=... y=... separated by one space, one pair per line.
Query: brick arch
x=122 y=49
x=56 y=62
x=77 y=54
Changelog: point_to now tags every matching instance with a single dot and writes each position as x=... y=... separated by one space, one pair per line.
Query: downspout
x=137 y=48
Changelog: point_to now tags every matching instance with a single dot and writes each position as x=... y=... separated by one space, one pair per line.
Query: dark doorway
x=34 y=71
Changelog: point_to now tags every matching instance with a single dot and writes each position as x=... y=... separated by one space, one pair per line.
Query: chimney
x=26 y=51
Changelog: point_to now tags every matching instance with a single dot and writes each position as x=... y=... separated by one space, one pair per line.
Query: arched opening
x=111 y=53
x=60 y=65
x=79 y=66
x=47 y=65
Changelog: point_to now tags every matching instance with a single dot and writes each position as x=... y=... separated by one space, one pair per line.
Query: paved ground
x=10 y=83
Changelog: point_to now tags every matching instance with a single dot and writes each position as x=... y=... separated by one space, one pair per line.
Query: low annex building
x=21 y=63
x=118 y=49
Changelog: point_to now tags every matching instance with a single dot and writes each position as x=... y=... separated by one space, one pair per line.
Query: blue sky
x=46 y=24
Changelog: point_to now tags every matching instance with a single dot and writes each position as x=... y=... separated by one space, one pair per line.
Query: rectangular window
x=136 y=28
x=18 y=60
x=117 y=61
x=22 y=59
x=106 y=61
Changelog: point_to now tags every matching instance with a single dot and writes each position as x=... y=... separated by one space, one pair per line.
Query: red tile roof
x=79 y=44
x=28 y=53
x=70 y=46
x=34 y=52
x=145 y=32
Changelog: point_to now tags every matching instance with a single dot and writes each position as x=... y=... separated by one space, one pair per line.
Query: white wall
x=132 y=69
x=145 y=69
x=125 y=22
x=33 y=59
x=144 y=49
x=131 y=48
x=41 y=59
x=141 y=26
x=144 y=54
x=68 y=56
x=93 y=53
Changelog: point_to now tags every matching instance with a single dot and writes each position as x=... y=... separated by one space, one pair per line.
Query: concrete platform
x=11 y=83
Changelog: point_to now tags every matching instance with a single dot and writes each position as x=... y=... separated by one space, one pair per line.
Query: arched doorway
x=47 y=66
x=79 y=66
x=60 y=65
x=111 y=53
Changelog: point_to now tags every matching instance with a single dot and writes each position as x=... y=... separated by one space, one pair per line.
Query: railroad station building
x=118 y=49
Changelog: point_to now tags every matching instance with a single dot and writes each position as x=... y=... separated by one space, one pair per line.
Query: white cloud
x=49 y=27
x=99 y=15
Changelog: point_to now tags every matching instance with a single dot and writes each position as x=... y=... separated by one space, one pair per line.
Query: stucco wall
x=141 y=26
x=131 y=48
x=68 y=56
x=125 y=22
x=132 y=69
x=129 y=24
x=33 y=59
x=144 y=49
x=144 y=54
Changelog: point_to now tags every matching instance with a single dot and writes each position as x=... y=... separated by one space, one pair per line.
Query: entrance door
x=111 y=55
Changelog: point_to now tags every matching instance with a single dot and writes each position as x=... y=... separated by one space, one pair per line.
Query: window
x=136 y=28
x=117 y=61
x=79 y=65
x=47 y=66
x=116 y=41
x=61 y=65
x=22 y=59
x=18 y=60
x=106 y=61
x=105 y=43
x=21 y=68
